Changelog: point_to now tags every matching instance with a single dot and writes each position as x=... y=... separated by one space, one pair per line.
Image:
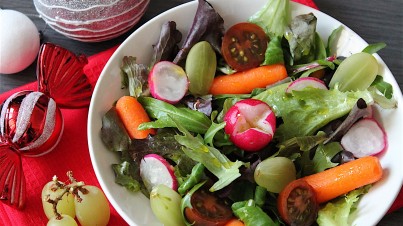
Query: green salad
x=258 y=124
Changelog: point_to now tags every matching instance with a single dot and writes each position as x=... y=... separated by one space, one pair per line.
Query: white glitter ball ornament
x=91 y=21
x=19 y=41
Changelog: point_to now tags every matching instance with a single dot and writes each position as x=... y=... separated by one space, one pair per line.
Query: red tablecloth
x=70 y=154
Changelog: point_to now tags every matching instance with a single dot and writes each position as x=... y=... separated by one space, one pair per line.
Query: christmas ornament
x=19 y=41
x=31 y=123
x=91 y=21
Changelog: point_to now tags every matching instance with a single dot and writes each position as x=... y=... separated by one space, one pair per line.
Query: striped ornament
x=31 y=123
x=91 y=21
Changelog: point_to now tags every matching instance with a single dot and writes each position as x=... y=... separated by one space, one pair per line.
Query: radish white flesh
x=168 y=82
x=305 y=82
x=251 y=124
x=155 y=170
x=366 y=137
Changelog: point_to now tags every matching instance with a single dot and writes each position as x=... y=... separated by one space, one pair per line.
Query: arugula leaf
x=384 y=87
x=320 y=49
x=373 y=48
x=163 y=113
x=218 y=164
x=251 y=214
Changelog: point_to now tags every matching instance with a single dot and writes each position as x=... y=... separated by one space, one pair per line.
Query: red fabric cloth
x=71 y=154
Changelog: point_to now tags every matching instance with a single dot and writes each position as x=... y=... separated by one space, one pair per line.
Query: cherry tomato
x=297 y=203
x=244 y=46
x=206 y=209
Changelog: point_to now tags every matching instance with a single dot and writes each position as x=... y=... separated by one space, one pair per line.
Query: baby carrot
x=132 y=114
x=234 y=222
x=346 y=177
x=245 y=81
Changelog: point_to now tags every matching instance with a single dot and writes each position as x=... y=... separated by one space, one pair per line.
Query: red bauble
x=31 y=123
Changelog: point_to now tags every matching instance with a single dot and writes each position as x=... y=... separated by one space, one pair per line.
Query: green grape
x=275 y=173
x=356 y=72
x=65 y=221
x=94 y=207
x=64 y=206
x=166 y=205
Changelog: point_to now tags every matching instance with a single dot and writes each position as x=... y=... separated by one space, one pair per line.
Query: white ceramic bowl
x=134 y=208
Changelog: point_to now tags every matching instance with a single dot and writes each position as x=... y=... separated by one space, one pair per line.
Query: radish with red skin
x=366 y=137
x=250 y=124
x=155 y=170
x=305 y=82
x=168 y=82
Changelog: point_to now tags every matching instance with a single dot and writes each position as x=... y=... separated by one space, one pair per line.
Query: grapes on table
x=63 y=202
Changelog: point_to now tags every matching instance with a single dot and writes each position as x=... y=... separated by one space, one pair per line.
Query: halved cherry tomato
x=207 y=209
x=244 y=46
x=297 y=203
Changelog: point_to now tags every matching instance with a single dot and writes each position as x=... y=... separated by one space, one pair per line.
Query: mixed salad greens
x=211 y=169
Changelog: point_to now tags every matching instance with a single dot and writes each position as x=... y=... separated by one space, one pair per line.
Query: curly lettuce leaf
x=126 y=176
x=274 y=17
x=218 y=164
x=322 y=159
x=336 y=213
x=293 y=147
x=304 y=112
x=134 y=77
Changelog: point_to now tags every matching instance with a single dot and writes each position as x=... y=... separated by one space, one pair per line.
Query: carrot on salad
x=234 y=222
x=132 y=114
x=344 y=178
x=244 y=82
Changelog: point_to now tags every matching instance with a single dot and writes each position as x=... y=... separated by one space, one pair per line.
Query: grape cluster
x=63 y=202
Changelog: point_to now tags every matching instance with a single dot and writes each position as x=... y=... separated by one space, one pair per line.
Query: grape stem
x=71 y=188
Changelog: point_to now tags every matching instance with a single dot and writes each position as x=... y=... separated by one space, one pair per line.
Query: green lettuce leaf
x=304 y=112
x=336 y=213
x=274 y=17
x=218 y=164
x=301 y=36
x=274 y=52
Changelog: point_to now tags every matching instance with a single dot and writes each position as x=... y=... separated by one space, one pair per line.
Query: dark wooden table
x=375 y=21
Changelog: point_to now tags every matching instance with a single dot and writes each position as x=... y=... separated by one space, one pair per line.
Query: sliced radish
x=168 y=82
x=305 y=82
x=250 y=124
x=155 y=170
x=366 y=137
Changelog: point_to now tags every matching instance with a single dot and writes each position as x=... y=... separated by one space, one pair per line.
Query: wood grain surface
x=374 y=21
